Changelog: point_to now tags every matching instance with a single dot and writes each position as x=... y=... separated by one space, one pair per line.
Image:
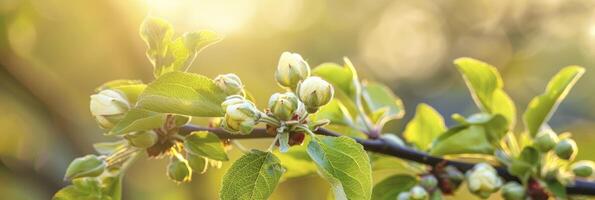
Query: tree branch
x=382 y=146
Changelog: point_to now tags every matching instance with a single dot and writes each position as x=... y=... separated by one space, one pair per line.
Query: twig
x=580 y=187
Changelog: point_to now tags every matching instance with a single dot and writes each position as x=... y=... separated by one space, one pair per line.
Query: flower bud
x=418 y=193
x=292 y=69
x=513 y=191
x=315 y=92
x=429 y=182
x=283 y=106
x=566 y=149
x=404 y=196
x=483 y=180
x=230 y=84
x=583 y=168
x=142 y=139
x=232 y=100
x=178 y=171
x=87 y=166
x=240 y=116
x=108 y=107
x=545 y=140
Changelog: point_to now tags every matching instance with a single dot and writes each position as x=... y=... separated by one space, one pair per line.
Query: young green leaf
x=106 y=148
x=345 y=81
x=185 y=94
x=485 y=85
x=81 y=188
x=456 y=141
x=336 y=112
x=198 y=40
x=378 y=97
x=130 y=88
x=345 y=164
x=87 y=166
x=424 y=127
x=389 y=188
x=542 y=107
x=525 y=165
x=141 y=120
x=254 y=176
x=205 y=144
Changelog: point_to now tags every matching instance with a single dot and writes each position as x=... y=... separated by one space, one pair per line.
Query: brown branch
x=382 y=146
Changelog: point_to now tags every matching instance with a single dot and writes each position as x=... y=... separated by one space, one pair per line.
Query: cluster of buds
x=483 y=180
x=108 y=107
x=241 y=115
x=547 y=140
x=284 y=106
x=292 y=69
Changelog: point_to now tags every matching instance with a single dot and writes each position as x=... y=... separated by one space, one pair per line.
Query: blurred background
x=53 y=53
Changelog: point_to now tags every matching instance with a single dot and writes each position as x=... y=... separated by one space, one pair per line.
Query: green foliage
x=296 y=162
x=183 y=93
x=168 y=54
x=206 y=144
x=526 y=164
x=87 y=166
x=427 y=125
x=106 y=187
x=141 y=120
x=542 y=107
x=254 y=176
x=484 y=134
x=345 y=164
x=389 y=188
x=486 y=87
x=381 y=103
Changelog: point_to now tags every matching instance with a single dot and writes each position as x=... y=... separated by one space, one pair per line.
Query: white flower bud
x=404 y=196
x=483 y=180
x=292 y=69
x=315 y=92
x=418 y=193
x=231 y=100
x=230 y=84
x=240 y=116
x=108 y=107
x=283 y=106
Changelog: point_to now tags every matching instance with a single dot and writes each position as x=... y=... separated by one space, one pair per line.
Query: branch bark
x=382 y=146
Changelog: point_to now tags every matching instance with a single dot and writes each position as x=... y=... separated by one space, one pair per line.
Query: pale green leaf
x=345 y=81
x=185 y=94
x=142 y=120
x=106 y=148
x=424 y=127
x=82 y=188
x=541 y=108
x=198 y=40
x=389 y=188
x=379 y=97
x=457 y=140
x=254 y=176
x=485 y=85
x=296 y=162
x=336 y=112
x=205 y=144
x=345 y=164
x=130 y=88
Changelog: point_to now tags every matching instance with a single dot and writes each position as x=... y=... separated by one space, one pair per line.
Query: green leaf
x=106 y=148
x=557 y=188
x=205 y=144
x=82 y=188
x=174 y=59
x=485 y=85
x=253 y=176
x=130 y=88
x=336 y=112
x=141 y=120
x=198 y=40
x=185 y=94
x=389 y=188
x=87 y=166
x=296 y=162
x=424 y=127
x=157 y=33
x=541 y=108
x=379 y=97
x=345 y=81
x=345 y=164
